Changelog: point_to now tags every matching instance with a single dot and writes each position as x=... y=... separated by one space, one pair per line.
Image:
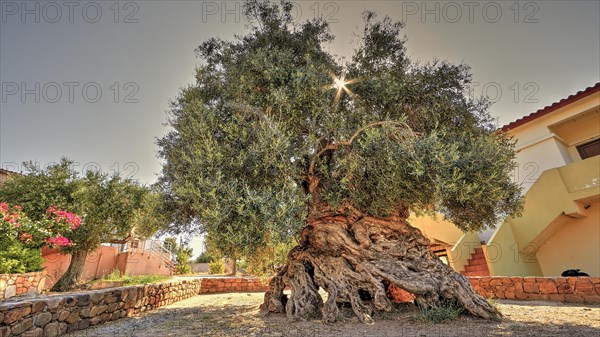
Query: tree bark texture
x=70 y=278
x=354 y=259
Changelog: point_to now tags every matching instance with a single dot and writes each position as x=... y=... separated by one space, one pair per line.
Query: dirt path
x=236 y=314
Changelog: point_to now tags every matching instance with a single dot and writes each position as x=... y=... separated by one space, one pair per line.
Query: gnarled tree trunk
x=71 y=277
x=353 y=257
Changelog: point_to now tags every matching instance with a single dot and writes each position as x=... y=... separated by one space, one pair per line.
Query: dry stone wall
x=231 y=284
x=52 y=316
x=557 y=289
x=20 y=284
x=55 y=315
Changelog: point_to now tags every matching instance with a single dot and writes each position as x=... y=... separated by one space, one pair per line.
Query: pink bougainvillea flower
x=60 y=241
x=18 y=207
x=50 y=209
x=3 y=206
x=26 y=237
x=68 y=217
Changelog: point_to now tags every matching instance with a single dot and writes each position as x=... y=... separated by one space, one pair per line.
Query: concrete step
x=473 y=262
x=476 y=273
x=478 y=267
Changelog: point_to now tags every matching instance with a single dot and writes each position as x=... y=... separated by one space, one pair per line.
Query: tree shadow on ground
x=238 y=315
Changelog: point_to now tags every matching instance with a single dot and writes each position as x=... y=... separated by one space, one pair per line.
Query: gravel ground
x=236 y=314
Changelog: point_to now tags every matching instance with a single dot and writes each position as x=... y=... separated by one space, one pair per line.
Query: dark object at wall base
x=573 y=272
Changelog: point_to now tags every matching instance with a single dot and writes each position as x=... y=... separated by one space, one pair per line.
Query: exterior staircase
x=476 y=265
x=153 y=250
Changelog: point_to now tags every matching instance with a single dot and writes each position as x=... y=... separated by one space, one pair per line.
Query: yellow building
x=5 y=175
x=558 y=165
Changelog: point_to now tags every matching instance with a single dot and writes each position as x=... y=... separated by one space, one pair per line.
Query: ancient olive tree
x=276 y=138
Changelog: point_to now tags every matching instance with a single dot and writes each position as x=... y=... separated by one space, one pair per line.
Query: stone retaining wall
x=55 y=315
x=230 y=284
x=558 y=289
x=19 y=284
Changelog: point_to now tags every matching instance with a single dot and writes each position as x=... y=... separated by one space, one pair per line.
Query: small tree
x=276 y=138
x=204 y=258
x=110 y=208
x=183 y=261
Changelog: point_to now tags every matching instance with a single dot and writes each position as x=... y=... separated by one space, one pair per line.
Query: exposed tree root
x=353 y=259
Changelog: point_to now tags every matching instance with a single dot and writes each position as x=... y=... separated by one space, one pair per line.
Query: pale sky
x=92 y=81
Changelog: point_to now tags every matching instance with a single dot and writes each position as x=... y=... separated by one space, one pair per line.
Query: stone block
x=537 y=297
x=520 y=295
x=83 y=300
x=548 y=288
x=531 y=288
x=21 y=326
x=10 y=291
x=96 y=297
x=496 y=282
x=63 y=328
x=98 y=310
x=565 y=288
x=73 y=317
x=556 y=297
x=110 y=299
x=38 y=306
x=84 y=324
x=591 y=299
x=63 y=315
x=42 y=319
x=13 y=316
x=572 y=298
x=112 y=307
x=37 y=332
x=51 y=330
x=53 y=302
x=584 y=287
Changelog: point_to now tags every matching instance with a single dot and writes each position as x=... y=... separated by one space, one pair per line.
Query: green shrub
x=183 y=269
x=216 y=267
x=266 y=260
x=17 y=259
x=144 y=279
x=115 y=275
x=448 y=311
x=204 y=258
x=183 y=260
x=241 y=265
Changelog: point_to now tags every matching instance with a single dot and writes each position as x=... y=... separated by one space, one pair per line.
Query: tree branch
x=335 y=146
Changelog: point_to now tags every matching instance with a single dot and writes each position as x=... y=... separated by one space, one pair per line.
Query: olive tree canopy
x=276 y=137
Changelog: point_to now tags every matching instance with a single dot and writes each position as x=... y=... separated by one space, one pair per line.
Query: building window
x=590 y=149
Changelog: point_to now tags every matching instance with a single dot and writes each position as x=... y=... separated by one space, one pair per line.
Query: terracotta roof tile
x=554 y=106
